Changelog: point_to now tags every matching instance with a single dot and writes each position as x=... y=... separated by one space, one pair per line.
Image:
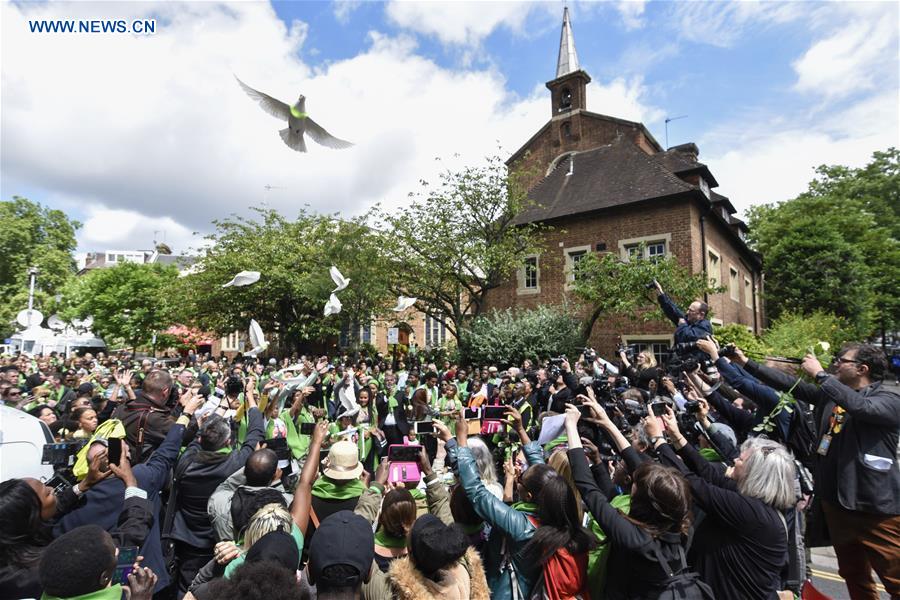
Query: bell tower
x=568 y=94
x=568 y=89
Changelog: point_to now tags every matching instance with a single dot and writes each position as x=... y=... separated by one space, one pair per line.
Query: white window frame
x=435 y=332
x=649 y=340
x=570 y=264
x=748 y=292
x=715 y=280
x=110 y=257
x=647 y=240
x=521 y=288
x=704 y=187
x=734 y=288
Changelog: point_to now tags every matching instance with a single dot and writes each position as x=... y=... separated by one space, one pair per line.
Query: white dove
x=338 y=280
x=243 y=278
x=257 y=339
x=333 y=306
x=298 y=120
x=404 y=302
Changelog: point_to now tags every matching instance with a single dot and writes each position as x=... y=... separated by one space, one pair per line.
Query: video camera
x=629 y=350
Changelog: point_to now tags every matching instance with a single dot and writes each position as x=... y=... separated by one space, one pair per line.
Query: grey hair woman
x=741 y=547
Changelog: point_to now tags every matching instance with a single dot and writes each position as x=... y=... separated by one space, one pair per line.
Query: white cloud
x=623 y=98
x=777 y=161
x=344 y=8
x=460 y=23
x=850 y=60
x=632 y=12
x=723 y=23
x=106 y=228
x=153 y=133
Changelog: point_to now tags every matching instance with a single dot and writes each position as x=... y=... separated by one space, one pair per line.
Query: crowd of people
x=376 y=478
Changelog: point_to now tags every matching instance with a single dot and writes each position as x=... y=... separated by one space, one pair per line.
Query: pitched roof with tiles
x=613 y=175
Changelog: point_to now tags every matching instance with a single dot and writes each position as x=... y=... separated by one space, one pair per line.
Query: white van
x=22 y=439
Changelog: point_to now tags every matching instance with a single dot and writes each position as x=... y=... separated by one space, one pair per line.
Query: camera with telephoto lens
x=590 y=355
x=684 y=348
x=692 y=406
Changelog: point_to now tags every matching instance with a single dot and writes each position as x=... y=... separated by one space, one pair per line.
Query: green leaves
x=613 y=287
x=456 y=240
x=128 y=302
x=508 y=337
x=32 y=235
x=835 y=247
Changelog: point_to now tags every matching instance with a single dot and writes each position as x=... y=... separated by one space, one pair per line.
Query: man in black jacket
x=203 y=466
x=147 y=418
x=857 y=477
x=690 y=326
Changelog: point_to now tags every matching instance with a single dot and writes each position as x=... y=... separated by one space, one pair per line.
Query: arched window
x=565 y=98
x=566 y=130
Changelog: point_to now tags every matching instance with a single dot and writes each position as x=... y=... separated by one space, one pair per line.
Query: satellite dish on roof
x=29 y=318
x=88 y=321
x=55 y=323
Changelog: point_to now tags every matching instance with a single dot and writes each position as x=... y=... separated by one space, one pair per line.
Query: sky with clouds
x=139 y=136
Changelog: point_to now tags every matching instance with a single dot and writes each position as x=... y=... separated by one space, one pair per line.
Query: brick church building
x=605 y=184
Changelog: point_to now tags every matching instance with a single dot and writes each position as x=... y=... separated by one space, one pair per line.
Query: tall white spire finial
x=568 y=58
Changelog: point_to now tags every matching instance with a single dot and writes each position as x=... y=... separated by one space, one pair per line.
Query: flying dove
x=298 y=120
x=257 y=339
x=333 y=306
x=403 y=303
x=243 y=278
x=338 y=280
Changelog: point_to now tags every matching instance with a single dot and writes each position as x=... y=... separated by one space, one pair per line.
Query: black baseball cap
x=343 y=538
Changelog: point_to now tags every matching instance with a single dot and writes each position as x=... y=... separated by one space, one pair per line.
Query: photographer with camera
x=856 y=471
x=690 y=326
x=644 y=372
x=564 y=385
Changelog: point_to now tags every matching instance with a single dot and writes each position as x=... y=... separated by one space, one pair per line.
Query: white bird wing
x=338 y=280
x=243 y=278
x=320 y=136
x=333 y=306
x=274 y=107
x=256 y=334
x=404 y=302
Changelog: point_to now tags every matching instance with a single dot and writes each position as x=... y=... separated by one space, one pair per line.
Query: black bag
x=802 y=438
x=681 y=584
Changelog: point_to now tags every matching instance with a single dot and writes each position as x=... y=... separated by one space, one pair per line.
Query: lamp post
x=32 y=274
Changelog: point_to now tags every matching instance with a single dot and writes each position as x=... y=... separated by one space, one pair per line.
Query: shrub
x=508 y=337
x=792 y=335
x=737 y=334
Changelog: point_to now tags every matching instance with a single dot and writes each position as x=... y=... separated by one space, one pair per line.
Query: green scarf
x=326 y=489
x=711 y=455
x=386 y=540
x=113 y=592
x=417 y=494
x=526 y=507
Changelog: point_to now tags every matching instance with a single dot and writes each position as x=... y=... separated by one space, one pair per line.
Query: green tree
x=835 y=246
x=456 y=242
x=611 y=287
x=293 y=257
x=33 y=235
x=129 y=302
x=737 y=334
x=508 y=337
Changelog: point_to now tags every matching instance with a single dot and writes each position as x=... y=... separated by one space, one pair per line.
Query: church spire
x=568 y=58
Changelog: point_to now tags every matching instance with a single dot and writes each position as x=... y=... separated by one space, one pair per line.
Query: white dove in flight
x=333 y=306
x=404 y=302
x=257 y=339
x=298 y=120
x=243 y=278
x=338 y=280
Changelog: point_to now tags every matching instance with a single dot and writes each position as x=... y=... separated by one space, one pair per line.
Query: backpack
x=682 y=584
x=802 y=439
